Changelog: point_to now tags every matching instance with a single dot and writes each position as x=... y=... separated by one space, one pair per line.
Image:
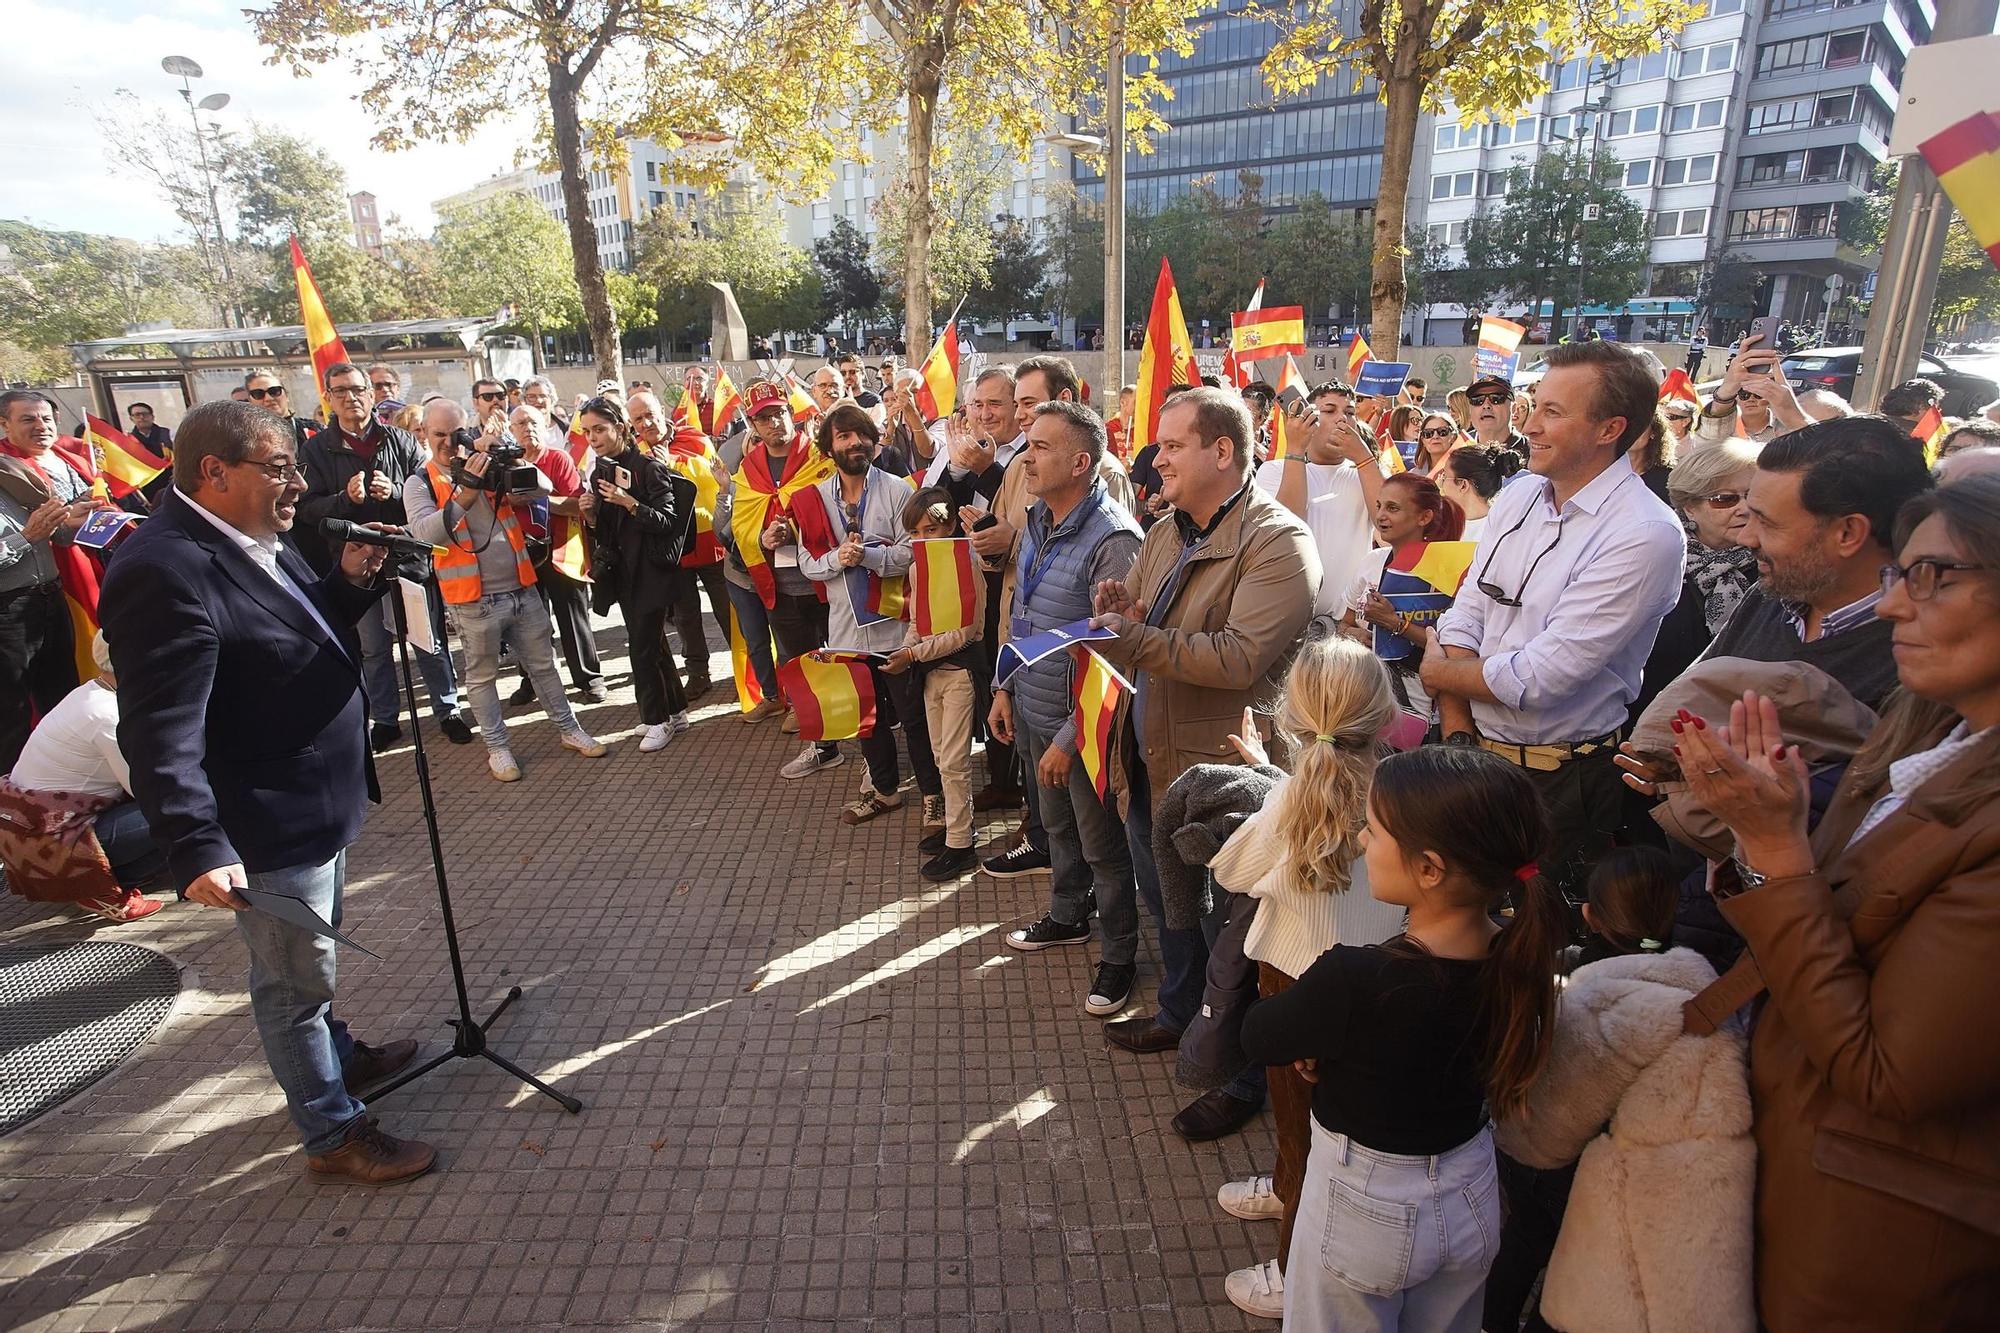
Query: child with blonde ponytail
x=1300 y=858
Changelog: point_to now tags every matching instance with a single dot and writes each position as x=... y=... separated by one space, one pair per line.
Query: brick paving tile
x=820 y=1093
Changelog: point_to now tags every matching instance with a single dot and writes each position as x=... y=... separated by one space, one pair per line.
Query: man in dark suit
x=244 y=723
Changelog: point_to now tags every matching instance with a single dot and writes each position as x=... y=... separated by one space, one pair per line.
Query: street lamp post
x=1112 y=146
x=186 y=71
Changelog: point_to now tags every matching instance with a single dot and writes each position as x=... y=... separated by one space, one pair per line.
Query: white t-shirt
x=1473 y=527
x=75 y=748
x=1337 y=516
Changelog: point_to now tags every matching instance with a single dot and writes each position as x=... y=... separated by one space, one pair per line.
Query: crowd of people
x=1571 y=808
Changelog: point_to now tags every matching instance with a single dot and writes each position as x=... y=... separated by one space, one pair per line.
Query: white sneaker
x=811 y=761
x=656 y=737
x=585 y=744
x=679 y=722
x=500 y=763
x=1258 y=1290
x=1251 y=1200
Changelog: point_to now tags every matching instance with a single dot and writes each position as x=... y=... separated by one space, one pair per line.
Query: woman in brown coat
x=1875 y=1061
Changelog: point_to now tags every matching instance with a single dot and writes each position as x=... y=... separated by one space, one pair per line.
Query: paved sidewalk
x=819 y=1092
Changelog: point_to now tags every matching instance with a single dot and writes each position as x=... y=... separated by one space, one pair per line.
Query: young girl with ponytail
x=1413 y=1045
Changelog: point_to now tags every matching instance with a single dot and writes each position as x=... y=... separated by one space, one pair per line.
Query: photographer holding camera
x=640 y=513
x=463 y=502
x=356 y=469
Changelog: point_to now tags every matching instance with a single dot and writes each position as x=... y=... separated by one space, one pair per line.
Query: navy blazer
x=244 y=724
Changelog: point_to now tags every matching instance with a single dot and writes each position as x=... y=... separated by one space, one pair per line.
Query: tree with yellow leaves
x=1487 y=56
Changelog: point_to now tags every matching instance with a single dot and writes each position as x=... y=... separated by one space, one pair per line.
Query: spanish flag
x=833 y=699
x=1167 y=357
x=728 y=401
x=1966 y=158
x=1420 y=580
x=1098 y=690
x=1930 y=432
x=1676 y=388
x=322 y=339
x=1499 y=350
x=1278 y=330
x=937 y=396
x=1359 y=353
x=942 y=597
x=76 y=567
x=690 y=454
x=577 y=443
x=761 y=498
x=748 y=692
x=800 y=398
x=1291 y=392
x=126 y=464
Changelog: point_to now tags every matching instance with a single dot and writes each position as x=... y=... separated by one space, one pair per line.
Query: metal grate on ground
x=69 y=1013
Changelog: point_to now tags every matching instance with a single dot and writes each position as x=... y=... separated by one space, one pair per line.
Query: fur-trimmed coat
x=1657 y=1238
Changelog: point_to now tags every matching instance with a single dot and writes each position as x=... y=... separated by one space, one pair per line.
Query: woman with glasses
x=1435 y=434
x=1874 y=1063
x=1471 y=476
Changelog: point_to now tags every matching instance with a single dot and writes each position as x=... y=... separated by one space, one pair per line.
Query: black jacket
x=329 y=462
x=634 y=556
x=244 y=723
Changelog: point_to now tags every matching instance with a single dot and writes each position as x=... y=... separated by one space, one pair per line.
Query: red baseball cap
x=763 y=394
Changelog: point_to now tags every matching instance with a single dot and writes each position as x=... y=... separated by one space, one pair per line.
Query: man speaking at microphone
x=244 y=723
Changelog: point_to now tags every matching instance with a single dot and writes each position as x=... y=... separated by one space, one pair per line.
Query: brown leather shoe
x=372 y=1156
x=1142 y=1036
x=369 y=1065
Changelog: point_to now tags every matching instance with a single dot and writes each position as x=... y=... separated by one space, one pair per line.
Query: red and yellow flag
x=1930 y=433
x=1966 y=158
x=800 y=398
x=1098 y=689
x=125 y=464
x=1278 y=330
x=937 y=396
x=1677 y=388
x=1166 y=358
x=1359 y=354
x=322 y=339
x=690 y=454
x=728 y=401
x=748 y=692
x=834 y=700
x=760 y=499
x=941 y=585
x=577 y=443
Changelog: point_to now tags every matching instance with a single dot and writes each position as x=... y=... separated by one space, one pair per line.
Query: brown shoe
x=369 y=1065
x=372 y=1156
x=763 y=708
x=1142 y=1036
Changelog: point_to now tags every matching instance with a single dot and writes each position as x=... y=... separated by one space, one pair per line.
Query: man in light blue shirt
x=1576 y=567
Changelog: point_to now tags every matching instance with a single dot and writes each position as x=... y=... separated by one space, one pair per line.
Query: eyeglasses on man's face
x=284 y=471
x=383 y=386
x=347 y=391
x=489 y=397
x=1489 y=399
x=1920 y=577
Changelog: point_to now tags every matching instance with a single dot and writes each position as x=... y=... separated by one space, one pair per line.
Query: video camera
x=505 y=473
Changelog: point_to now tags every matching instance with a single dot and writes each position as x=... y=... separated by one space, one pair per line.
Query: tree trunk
x=540 y=358
x=926 y=64
x=597 y=316
x=1387 y=287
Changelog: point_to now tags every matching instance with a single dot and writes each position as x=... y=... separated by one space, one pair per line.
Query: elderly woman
x=1708 y=488
x=71 y=781
x=1875 y=1063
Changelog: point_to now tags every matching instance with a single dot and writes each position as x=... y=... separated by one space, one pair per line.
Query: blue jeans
x=380 y=673
x=1087 y=852
x=1183 y=953
x=291 y=997
x=128 y=844
x=753 y=622
x=519 y=617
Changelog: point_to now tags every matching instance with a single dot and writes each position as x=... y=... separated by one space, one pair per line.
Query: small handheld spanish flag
x=833 y=697
x=125 y=464
x=937 y=395
x=1930 y=432
x=725 y=405
x=1359 y=353
x=1098 y=688
x=942 y=593
x=1676 y=388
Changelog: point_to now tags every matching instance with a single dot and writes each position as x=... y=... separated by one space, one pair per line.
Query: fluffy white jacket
x=1657 y=1238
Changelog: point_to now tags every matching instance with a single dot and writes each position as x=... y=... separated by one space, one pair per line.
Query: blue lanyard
x=1033 y=570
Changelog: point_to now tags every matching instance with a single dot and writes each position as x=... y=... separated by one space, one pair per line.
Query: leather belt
x=1548 y=758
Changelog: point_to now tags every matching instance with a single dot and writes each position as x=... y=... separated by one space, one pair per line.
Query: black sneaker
x=1046 y=934
x=1020 y=859
x=1111 y=990
x=524 y=694
x=949 y=864
x=454 y=729
x=383 y=735
x=932 y=843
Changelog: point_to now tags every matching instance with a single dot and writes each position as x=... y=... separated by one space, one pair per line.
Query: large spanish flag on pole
x=322 y=339
x=1098 y=690
x=1966 y=158
x=833 y=699
x=1166 y=358
x=125 y=464
x=1278 y=330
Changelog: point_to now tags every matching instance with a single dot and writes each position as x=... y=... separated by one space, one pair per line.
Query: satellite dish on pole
x=214 y=102
x=181 y=67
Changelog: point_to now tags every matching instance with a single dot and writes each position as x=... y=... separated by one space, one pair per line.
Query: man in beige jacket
x=1207 y=623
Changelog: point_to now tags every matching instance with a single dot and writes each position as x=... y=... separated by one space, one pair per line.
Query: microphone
x=340 y=530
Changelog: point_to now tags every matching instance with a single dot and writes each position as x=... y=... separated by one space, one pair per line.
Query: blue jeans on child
x=1386 y=1242
x=291 y=997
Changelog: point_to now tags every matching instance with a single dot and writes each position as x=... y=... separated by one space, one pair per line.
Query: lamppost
x=1585 y=138
x=1112 y=146
x=186 y=71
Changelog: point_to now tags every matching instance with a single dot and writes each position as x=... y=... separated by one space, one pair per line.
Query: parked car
x=1835 y=368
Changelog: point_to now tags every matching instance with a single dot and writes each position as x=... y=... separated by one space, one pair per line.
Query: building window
x=1446 y=233
x=650 y=169
x=1493 y=184
x=1526 y=130
x=1638 y=69
x=1456 y=186
x=1680 y=222
x=1696 y=170
x=1718 y=8
x=1639 y=173
x=1453 y=136
x=1713 y=59
x=1846 y=48
x=1697 y=116
x=1803 y=222
x=1636 y=120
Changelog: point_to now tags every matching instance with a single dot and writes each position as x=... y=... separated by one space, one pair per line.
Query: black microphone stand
x=470 y=1043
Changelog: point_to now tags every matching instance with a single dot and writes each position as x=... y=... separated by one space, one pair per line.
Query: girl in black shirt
x=1409 y=1043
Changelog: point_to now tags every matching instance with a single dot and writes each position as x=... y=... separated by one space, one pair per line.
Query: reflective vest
x=457 y=561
